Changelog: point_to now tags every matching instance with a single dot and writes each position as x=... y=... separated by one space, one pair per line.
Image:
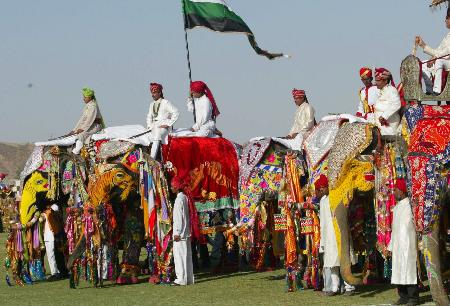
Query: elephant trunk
x=343 y=243
x=433 y=263
x=77 y=252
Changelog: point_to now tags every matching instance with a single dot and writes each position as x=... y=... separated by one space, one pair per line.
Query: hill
x=13 y=157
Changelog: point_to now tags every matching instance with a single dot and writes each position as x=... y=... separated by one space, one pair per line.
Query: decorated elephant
x=44 y=182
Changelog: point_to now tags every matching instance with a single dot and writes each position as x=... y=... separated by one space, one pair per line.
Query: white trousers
x=50 y=251
x=331 y=279
x=85 y=137
x=182 y=257
x=435 y=70
x=154 y=149
x=102 y=266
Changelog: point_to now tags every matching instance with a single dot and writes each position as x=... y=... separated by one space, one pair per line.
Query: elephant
x=43 y=184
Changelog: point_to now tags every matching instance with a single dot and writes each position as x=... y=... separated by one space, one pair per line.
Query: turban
x=182 y=182
x=155 y=87
x=297 y=93
x=365 y=72
x=201 y=87
x=2 y=175
x=383 y=74
x=322 y=182
x=401 y=185
x=88 y=92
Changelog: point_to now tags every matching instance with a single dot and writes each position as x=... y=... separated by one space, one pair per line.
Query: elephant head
x=35 y=185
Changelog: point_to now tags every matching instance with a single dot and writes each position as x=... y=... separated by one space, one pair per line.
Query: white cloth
x=123 y=133
x=304 y=119
x=181 y=223
x=182 y=252
x=204 y=122
x=182 y=257
x=436 y=71
x=64 y=142
x=349 y=117
x=403 y=245
x=372 y=96
x=50 y=251
x=331 y=279
x=388 y=106
x=293 y=144
x=328 y=243
x=161 y=112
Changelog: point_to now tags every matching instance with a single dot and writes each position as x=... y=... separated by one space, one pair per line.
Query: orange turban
x=365 y=72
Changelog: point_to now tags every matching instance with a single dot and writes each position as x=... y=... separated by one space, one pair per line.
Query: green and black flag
x=217 y=16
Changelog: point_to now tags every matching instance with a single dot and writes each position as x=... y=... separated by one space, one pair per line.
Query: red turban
x=321 y=182
x=401 y=185
x=155 y=87
x=383 y=74
x=182 y=182
x=297 y=93
x=2 y=175
x=365 y=72
x=201 y=87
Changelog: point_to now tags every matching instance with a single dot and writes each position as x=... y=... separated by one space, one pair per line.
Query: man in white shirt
x=182 y=250
x=304 y=116
x=403 y=246
x=91 y=120
x=206 y=110
x=162 y=114
x=429 y=69
x=388 y=105
x=368 y=95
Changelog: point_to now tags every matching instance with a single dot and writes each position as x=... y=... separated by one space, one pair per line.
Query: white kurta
x=161 y=112
x=372 y=96
x=403 y=245
x=182 y=252
x=443 y=49
x=304 y=119
x=388 y=106
x=328 y=243
x=87 y=123
x=204 y=124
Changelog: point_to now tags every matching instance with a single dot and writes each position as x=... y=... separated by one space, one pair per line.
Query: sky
x=50 y=49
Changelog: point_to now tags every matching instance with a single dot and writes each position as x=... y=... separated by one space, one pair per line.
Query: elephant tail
x=77 y=252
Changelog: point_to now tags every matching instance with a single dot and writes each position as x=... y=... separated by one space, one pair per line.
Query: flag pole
x=188 y=54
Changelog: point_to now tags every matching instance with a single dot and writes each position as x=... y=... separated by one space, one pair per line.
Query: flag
x=217 y=16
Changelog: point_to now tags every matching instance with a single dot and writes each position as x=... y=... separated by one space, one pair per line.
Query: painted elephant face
x=35 y=184
x=100 y=189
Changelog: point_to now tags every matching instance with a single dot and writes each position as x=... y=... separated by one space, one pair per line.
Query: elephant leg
x=343 y=243
x=433 y=263
x=133 y=235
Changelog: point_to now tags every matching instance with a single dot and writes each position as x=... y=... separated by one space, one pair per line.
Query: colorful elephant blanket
x=429 y=151
x=213 y=166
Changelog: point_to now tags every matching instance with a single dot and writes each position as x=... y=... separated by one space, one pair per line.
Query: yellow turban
x=88 y=92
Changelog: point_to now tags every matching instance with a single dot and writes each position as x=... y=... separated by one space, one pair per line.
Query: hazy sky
x=118 y=47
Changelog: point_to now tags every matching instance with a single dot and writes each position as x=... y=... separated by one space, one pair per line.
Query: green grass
x=246 y=288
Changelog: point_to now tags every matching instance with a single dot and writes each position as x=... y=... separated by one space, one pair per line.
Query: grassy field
x=246 y=288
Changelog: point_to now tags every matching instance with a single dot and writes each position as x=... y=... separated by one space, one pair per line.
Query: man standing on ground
x=403 y=246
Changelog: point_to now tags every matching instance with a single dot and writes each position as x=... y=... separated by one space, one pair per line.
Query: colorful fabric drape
x=428 y=152
x=213 y=167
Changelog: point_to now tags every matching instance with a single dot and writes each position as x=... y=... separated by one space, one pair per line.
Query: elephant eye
x=39 y=182
x=120 y=175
